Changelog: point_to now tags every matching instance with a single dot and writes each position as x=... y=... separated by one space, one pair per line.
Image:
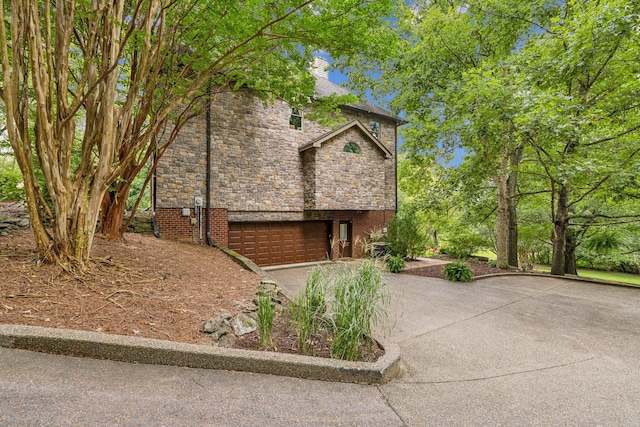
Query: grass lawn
x=633 y=279
x=613 y=276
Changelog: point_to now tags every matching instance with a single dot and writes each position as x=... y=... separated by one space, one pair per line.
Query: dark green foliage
x=458 y=272
x=604 y=242
x=406 y=236
x=395 y=264
x=10 y=189
x=464 y=244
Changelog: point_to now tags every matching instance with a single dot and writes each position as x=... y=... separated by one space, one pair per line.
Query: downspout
x=207 y=220
x=154 y=220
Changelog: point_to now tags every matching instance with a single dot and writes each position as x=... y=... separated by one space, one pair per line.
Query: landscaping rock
x=218 y=326
x=227 y=340
x=243 y=324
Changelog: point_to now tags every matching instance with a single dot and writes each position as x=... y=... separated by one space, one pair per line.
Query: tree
x=88 y=87
x=583 y=121
x=451 y=75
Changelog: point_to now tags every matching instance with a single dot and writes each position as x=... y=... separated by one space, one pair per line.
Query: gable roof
x=324 y=87
x=317 y=143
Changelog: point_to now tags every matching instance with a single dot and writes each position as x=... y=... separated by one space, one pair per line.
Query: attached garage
x=276 y=243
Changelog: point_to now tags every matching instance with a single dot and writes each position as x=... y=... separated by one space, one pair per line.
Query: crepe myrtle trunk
x=113 y=209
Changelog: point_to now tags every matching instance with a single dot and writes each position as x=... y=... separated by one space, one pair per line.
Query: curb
x=160 y=352
x=565 y=277
x=152 y=351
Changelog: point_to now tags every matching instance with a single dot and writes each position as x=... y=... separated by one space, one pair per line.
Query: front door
x=345 y=239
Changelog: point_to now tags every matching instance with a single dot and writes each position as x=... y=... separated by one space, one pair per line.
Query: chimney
x=319 y=67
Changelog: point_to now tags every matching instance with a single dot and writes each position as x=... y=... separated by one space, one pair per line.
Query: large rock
x=243 y=324
x=218 y=326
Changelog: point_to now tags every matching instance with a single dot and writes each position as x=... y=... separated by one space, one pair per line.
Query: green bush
x=10 y=185
x=406 y=237
x=395 y=264
x=463 y=245
x=458 y=272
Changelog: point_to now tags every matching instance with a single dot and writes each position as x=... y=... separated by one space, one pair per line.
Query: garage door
x=276 y=243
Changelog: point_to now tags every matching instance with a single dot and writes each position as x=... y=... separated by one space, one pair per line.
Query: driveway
x=512 y=350
x=509 y=350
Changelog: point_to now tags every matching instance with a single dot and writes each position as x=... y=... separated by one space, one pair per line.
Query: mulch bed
x=142 y=286
x=285 y=340
x=478 y=269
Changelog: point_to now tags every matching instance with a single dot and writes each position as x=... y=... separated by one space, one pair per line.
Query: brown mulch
x=142 y=287
x=478 y=269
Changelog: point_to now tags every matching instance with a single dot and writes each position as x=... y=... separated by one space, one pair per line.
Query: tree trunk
x=570 y=266
x=512 y=240
x=560 y=223
x=114 y=205
x=515 y=157
x=502 y=222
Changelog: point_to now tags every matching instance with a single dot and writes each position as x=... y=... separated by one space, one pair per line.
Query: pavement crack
x=509 y=374
x=485 y=312
x=386 y=401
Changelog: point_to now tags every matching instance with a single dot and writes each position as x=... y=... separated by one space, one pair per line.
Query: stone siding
x=338 y=180
x=257 y=171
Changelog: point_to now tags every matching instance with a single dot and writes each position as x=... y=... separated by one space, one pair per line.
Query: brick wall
x=362 y=222
x=172 y=225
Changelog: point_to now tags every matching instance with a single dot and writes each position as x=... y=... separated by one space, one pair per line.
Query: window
x=351 y=147
x=295 y=120
x=374 y=127
x=344 y=231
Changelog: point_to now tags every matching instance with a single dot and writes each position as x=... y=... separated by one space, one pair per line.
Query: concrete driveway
x=510 y=350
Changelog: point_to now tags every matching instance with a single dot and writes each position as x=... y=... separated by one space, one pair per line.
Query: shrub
x=308 y=308
x=458 y=272
x=10 y=185
x=463 y=245
x=265 y=320
x=395 y=264
x=360 y=302
x=406 y=237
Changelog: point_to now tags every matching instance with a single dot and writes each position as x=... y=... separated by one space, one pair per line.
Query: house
x=282 y=189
